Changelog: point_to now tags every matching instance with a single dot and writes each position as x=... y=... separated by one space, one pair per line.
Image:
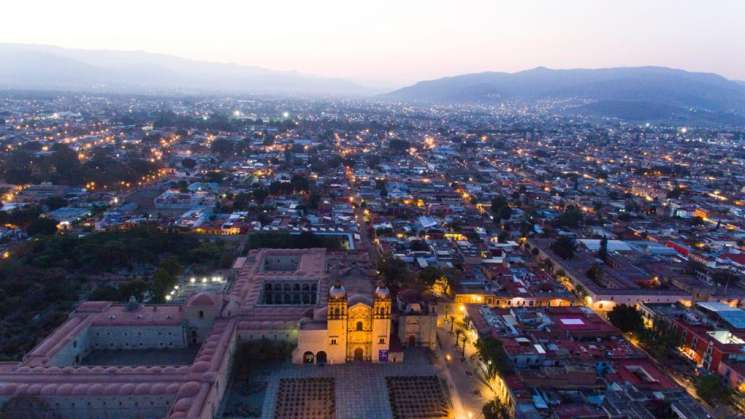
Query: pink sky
x=391 y=43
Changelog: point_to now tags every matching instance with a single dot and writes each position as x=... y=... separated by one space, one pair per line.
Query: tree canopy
x=500 y=208
x=712 y=388
x=626 y=318
x=564 y=247
x=491 y=351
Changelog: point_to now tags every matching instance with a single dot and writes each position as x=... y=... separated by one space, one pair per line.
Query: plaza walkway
x=361 y=390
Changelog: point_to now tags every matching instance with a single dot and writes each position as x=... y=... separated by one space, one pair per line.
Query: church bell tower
x=381 y=323
x=337 y=324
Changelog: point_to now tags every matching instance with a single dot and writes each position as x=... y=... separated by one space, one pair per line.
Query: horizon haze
x=386 y=45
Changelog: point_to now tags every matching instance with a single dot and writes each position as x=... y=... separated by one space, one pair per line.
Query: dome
x=182 y=405
x=337 y=291
x=201 y=366
x=382 y=291
x=65 y=389
x=189 y=389
x=360 y=298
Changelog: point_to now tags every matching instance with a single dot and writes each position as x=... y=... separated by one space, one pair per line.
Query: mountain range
x=630 y=93
x=41 y=67
x=633 y=93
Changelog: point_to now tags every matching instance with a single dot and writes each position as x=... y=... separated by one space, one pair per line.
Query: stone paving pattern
x=305 y=398
x=361 y=390
x=418 y=397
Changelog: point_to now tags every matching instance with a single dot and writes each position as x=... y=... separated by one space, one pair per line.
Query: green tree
x=300 y=183
x=491 y=352
x=394 y=273
x=314 y=199
x=712 y=388
x=429 y=275
x=564 y=247
x=595 y=273
x=222 y=147
x=496 y=410
x=188 y=163
x=162 y=283
x=500 y=208
x=260 y=195
x=662 y=340
x=603 y=250
x=54 y=202
x=571 y=217
x=171 y=266
x=399 y=145
x=626 y=318
x=66 y=164
x=42 y=225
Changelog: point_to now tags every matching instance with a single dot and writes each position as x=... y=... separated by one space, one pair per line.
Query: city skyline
x=374 y=209
x=389 y=45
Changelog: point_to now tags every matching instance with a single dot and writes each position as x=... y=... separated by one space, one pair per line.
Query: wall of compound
x=137 y=337
x=100 y=407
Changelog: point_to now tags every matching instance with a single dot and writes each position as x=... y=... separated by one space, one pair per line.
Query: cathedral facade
x=350 y=328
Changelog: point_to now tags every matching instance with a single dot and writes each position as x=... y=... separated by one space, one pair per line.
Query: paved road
x=365 y=240
x=469 y=390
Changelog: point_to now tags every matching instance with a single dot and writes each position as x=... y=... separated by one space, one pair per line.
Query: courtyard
x=137 y=357
x=360 y=390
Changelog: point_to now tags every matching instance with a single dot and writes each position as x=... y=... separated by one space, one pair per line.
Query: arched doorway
x=359 y=354
x=308 y=358
x=321 y=358
x=412 y=341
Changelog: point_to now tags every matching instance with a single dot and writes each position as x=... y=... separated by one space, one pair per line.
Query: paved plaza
x=305 y=398
x=418 y=397
x=361 y=389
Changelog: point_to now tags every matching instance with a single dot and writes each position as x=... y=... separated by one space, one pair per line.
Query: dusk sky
x=388 y=42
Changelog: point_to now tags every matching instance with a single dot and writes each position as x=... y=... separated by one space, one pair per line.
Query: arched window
x=201 y=314
x=359 y=326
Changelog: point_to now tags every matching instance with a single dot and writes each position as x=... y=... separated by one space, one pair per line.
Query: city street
x=468 y=390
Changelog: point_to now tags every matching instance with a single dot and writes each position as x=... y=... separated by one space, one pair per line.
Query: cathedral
x=278 y=294
x=350 y=328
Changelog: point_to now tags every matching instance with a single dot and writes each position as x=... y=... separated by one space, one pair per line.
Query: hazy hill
x=629 y=93
x=38 y=67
